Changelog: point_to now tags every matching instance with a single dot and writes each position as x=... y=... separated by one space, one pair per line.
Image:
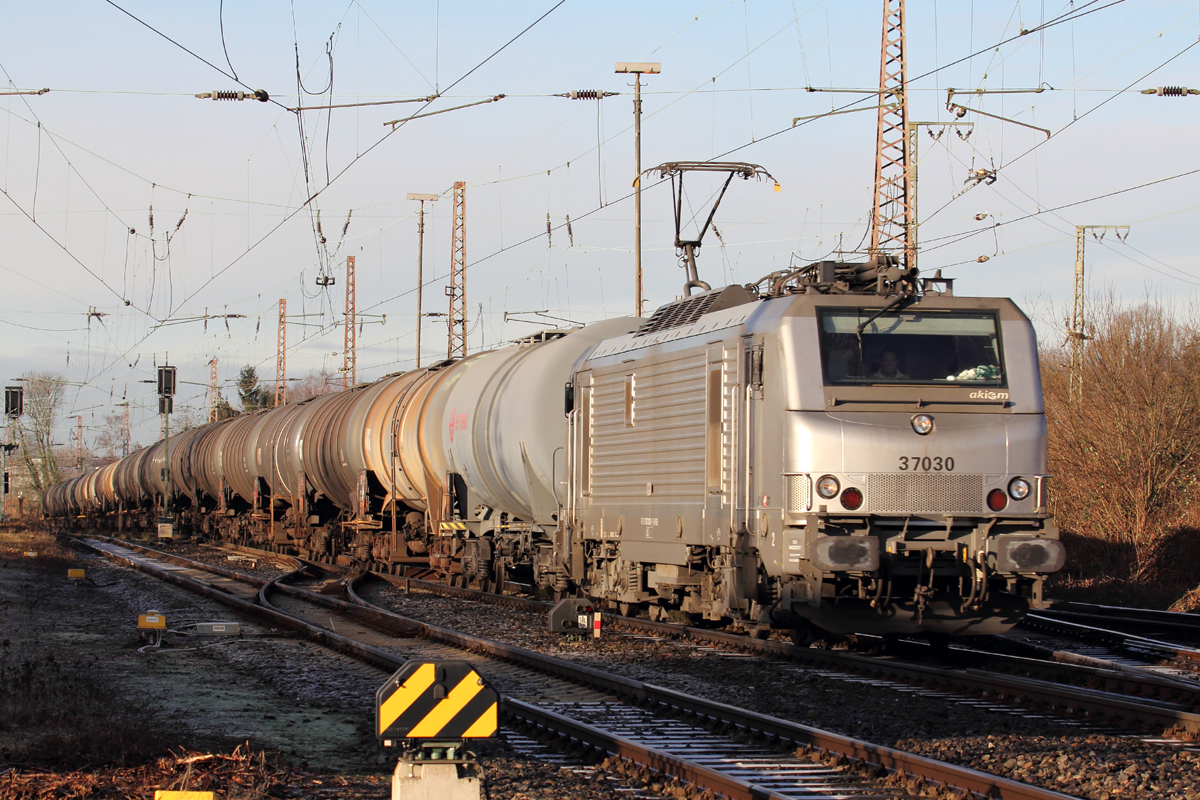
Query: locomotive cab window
x=942 y=348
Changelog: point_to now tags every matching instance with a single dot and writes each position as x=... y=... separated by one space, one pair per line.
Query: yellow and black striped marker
x=436 y=700
x=453 y=526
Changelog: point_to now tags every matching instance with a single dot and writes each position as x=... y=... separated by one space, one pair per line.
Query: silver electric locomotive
x=834 y=449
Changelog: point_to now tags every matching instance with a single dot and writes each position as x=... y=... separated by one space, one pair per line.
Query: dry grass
x=17 y=538
x=58 y=707
x=59 y=712
x=1124 y=455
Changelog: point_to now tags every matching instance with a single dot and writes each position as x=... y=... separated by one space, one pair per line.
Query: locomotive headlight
x=1018 y=488
x=828 y=487
x=922 y=423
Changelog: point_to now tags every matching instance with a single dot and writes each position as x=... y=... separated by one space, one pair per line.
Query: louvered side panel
x=663 y=447
x=729 y=424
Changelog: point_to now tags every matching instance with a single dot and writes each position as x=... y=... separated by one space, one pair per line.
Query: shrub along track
x=822 y=756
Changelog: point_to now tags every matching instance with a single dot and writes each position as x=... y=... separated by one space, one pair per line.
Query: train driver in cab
x=889 y=368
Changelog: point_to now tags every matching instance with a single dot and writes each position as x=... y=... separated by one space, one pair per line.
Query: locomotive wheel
x=760 y=632
x=803 y=635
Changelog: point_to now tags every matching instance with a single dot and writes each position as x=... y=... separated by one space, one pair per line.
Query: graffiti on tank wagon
x=458 y=422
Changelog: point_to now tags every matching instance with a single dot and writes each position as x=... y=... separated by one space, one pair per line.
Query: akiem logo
x=988 y=394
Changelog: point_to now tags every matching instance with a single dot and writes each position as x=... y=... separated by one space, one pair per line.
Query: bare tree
x=43 y=403
x=1125 y=452
x=108 y=441
x=314 y=384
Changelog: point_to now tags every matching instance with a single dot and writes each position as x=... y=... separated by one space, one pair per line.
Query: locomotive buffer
x=435 y=706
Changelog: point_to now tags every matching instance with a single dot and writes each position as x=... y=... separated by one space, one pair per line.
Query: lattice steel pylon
x=350 y=354
x=1077 y=334
x=213 y=391
x=891 y=212
x=125 y=430
x=457 y=344
x=281 y=356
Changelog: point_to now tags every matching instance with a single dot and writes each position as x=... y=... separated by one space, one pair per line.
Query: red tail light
x=997 y=500
x=852 y=498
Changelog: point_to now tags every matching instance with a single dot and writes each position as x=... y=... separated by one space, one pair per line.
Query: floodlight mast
x=423 y=198
x=637 y=69
x=676 y=169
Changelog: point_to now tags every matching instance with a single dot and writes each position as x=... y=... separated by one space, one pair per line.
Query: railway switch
x=434 y=707
x=575 y=617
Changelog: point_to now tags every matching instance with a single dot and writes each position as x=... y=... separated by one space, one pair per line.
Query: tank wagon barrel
x=833 y=448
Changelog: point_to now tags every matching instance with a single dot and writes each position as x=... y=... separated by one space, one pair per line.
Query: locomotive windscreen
x=911 y=347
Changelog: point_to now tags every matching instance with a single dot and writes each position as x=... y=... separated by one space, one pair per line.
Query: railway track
x=1149 y=621
x=1161 y=636
x=1063 y=683
x=710 y=745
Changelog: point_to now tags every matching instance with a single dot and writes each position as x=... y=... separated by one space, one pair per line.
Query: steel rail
x=1183 y=620
x=1138 y=711
x=1117 y=638
x=877 y=756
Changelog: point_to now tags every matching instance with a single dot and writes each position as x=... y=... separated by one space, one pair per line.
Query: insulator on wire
x=588 y=94
x=260 y=95
x=1171 y=91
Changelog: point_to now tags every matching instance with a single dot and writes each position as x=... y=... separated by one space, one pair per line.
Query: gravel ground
x=260 y=566
x=1024 y=746
x=310 y=709
x=1051 y=753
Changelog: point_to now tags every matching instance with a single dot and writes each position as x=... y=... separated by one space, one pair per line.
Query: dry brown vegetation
x=1124 y=456
x=58 y=707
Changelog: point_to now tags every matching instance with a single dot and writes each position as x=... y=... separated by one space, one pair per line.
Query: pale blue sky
x=121 y=111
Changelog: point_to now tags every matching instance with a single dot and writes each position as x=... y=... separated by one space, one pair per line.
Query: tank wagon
x=843 y=447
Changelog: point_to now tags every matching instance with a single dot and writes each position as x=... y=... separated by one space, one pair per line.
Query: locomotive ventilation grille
x=798 y=491
x=676 y=315
x=934 y=494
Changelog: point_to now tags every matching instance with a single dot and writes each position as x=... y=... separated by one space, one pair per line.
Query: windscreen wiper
x=895 y=304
